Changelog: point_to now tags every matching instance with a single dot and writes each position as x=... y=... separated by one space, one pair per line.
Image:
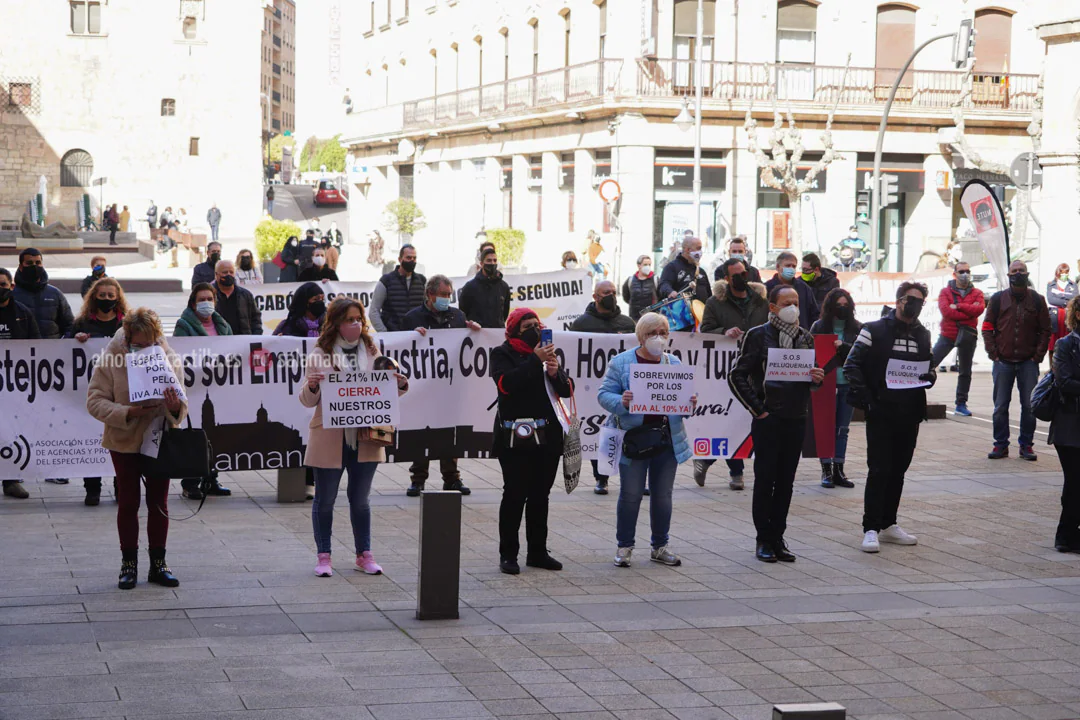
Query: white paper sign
x=904 y=374
x=789 y=365
x=661 y=389
x=360 y=399
x=151 y=441
x=609 y=451
x=149 y=374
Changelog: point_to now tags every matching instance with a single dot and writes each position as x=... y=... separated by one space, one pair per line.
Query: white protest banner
x=661 y=389
x=151 y=443
x=557 y=297
x=149 y=375
x=360 y=399
x=904 y=374
x=609 y=450
x=789 y=365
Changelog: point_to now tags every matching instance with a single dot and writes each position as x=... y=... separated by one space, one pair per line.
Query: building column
x=588 y=207
x=632 y=167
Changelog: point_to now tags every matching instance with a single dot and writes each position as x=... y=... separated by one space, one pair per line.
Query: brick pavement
x=981 y=620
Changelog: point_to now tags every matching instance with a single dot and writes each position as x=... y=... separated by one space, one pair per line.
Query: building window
x=168 y=107
x=20 y=95
x=993 y=41
x=895 y=42
x=85 y=17
x=76 y=169
x=603 y=27
x=189 y=28
x=685 y=42
x=193 y=146
x=796 y=44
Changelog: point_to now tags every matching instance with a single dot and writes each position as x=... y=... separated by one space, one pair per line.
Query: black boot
x=93 y=491
x=159 y=571
x=415 y=488
x=129 y=570
x=839 y=478
x=601 y=486
x=826 y=475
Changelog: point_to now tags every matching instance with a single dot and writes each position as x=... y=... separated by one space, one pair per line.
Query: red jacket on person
x=967 y=312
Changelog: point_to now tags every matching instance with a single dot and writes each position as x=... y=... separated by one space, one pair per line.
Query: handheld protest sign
x=662 y=389
x=360 y=399
x=149 y=374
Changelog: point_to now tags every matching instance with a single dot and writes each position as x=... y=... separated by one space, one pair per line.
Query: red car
x=327 y=193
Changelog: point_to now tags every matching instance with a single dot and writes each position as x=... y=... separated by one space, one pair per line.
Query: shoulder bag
x=182 y=453
x=571 y=462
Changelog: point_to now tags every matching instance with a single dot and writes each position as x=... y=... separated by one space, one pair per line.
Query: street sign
x=98 y=182
x=1026 y=171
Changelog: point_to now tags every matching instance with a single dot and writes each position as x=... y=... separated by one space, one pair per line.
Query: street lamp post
x=683 y=119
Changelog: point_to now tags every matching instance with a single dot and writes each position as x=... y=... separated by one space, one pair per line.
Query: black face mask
x=491 y=270
x=842 y=312
x=213 y=258
x=106 y=305
x=33 y=274
x=739 y=282
x=607 y=303
x=245 y=263
x=531 y=337
x=316 y=308
x=913 y=307
x=98 y=271
x=5 y=294
x=408 y=266
x=227 y=281
x=1019 y=280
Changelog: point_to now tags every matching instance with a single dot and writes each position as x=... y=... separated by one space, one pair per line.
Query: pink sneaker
x=323 y=569
x=366 y=561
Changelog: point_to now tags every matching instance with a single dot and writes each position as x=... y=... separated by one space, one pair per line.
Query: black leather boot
x=159 y=571
x=826 y=475
x=415 y=488
x=129 y=570
x=839 y=478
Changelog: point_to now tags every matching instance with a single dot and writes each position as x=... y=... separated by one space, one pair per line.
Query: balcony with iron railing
x=277 y=13
x=277 y=69
x=277 y=97
x=277 y=41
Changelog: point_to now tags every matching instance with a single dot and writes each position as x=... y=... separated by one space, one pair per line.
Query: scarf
x=788 y=333
x=517 y=316
x=349 y=356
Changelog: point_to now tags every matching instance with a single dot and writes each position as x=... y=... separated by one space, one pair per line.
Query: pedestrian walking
x=961 y=304
x=1016 y=334
x=485 y=299
x=270 y=201
x=112 y=223
x=125 y=219
x=1065 y=429
x=213 y=219
x=639 y=291
x=397 y=292
x=290 y=257
x=779 y=410
x=838 y=318
x=893 y=414
x=152 y=215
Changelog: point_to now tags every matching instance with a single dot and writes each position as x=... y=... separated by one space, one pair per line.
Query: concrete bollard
x=291 y=485
x=809 y=711
x=439 y=564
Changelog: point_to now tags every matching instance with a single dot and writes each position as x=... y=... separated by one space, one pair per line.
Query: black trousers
x=890 y=445
x=1068 y=530
x=421 y=469
x=528 y=474
x=777 y=448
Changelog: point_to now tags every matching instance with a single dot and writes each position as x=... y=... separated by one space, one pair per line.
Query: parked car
x=327 y=193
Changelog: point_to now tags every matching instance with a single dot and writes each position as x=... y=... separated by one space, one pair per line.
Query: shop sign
x=819 y=184
x=961 y=177
x=679 y=175
x=908 y=180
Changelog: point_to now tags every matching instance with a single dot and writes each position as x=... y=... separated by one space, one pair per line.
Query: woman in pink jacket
x=343 y=344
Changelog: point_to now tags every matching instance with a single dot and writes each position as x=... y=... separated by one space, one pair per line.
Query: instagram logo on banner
x=702 y=446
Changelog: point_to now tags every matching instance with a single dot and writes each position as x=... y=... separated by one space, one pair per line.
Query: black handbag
x=646 y=441
x=182 y=453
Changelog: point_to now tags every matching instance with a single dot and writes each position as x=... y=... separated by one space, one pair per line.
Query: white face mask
x=204 y=309
x=571 y=264
x=695 y=255
x=789 y=314
x=318 y=260
x=655 y=345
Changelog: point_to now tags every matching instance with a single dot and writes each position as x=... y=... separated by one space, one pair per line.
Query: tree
x=307 y=155
x=331 y=154
x=277 y=143
x=509 y=244
x=779 y=171
x=404 y=217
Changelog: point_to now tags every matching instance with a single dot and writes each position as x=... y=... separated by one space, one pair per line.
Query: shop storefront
x=673 y=176
x=773 y=220
x=911 y=181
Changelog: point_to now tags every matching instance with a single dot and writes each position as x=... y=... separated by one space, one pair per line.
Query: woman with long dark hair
x=838 y=318
x=306 y=312
x=1065 y=429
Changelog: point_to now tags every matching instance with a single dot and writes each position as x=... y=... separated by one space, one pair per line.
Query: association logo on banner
x=711 y=447
x=17 y=453
x=982 y=210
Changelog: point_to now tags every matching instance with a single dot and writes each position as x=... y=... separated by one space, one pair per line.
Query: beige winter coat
x=107 y=398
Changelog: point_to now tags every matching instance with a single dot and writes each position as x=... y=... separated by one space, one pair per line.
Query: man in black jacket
x=809 y=311
x=397 y=292
x=820 y=279
x=736 y=306
x=737 y=251
x=204 y=272
x=685 y=270
x=48 y=305
x=485 y=299
x=235 y=303
x=16 y=323
x=602 y=316
x=879 y=372
x=97 y=271
x=436 y=314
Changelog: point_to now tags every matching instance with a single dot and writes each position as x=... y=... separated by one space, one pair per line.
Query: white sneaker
x=622 y=557
x=897 y=536
x=870 y=542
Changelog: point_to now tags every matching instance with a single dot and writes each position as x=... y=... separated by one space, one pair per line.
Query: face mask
x=1018 y=279
x=738 y=256
x=106 y=305
x=316 y=308
x=227 y=281
x=491 y=270
x=808 y=277
x=695 y=255
x=5 y=294
x=963 y=278
x=1064 y=277
x=442 y=304
x=842 y=312
x=245 y=263
x=408 y=266
x=655 y=345
x=739 y=282
x=789 y=314
x=531 y=337
x=99 y=270
x=571 y=264
x=606 y=303
x=853 y=235
x=912 y=307
x=33 y=273
x=645 y=269
x=351 y=332
x=204 y=308
x=788 y=273
x=318 y=261
x=213 y=258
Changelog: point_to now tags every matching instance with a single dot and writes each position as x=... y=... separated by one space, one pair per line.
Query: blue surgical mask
x=442 y=304
x=204 y=308
x=788 y=273
x=738 y=256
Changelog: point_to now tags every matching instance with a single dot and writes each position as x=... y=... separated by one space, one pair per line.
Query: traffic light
x=862 y=206
x=889 y=189
x=964 y=46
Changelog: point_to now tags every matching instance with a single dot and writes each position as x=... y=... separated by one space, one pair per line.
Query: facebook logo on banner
x=711 y=446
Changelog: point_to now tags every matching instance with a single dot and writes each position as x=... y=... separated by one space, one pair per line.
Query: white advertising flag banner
x=243 y=391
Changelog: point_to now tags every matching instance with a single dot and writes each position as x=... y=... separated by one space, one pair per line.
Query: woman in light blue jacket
x=652 y=333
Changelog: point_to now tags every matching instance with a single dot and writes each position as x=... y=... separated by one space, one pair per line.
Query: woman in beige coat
x=343 y=344
x=125 y=426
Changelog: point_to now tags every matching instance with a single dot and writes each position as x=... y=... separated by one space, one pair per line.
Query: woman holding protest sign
x=102 y=315
x=779 y=407
x=838 y=318
x=344 y=344
x=654 y=445
x=108 y=400
x=528 y=437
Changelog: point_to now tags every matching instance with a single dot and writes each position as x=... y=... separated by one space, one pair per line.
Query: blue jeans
x=327 y=482
x=843 y=424
x=660 y=472
x=213 y=233
x=1024 y=375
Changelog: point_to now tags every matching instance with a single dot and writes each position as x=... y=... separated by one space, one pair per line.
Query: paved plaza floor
x=981 y=620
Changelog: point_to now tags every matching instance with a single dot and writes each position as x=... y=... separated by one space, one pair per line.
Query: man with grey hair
x=436 y=314
x=685 y=272
x=234 y=303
